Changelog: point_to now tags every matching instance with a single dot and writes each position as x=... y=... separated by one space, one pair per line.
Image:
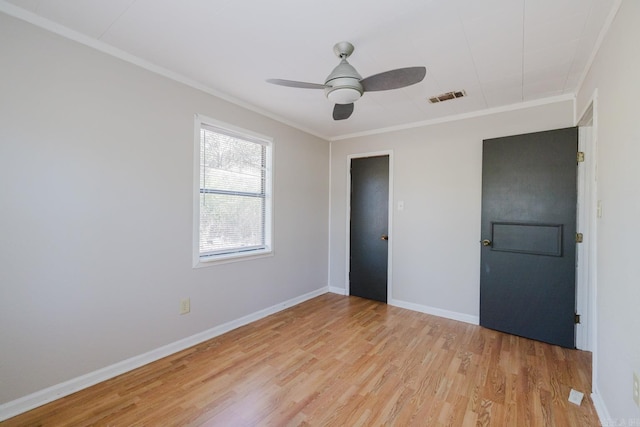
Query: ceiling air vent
x=447 y=96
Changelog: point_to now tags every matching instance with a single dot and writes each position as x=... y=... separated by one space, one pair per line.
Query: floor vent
x=447 y=96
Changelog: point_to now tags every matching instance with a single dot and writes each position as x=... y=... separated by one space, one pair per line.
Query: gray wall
x=96 y=173
x=437 y=174
x=615 y=75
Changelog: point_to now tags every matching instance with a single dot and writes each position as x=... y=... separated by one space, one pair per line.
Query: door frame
x=389 y=219
x=586 y=270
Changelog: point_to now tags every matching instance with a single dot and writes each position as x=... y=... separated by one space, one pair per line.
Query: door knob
x=384 y=237
x=486 y=242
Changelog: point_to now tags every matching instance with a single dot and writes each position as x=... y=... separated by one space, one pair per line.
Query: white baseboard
x=601 y=408
x=39 y=398
x=336 y=290
x=461 y=317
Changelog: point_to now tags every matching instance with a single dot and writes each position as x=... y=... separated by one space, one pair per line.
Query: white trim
x=586 y=125
x=453 y=315
x=234 y=130
x=390 y=231
x=585 y=111
x=389 y=218
x=593 y=249
x=329 y=219
x=586 y=271
x=61 y=30
x=582 y=249
x=336 y=290
x=195 y=194
x=601 y=408
x=453 y=118
x=232 y=257
x=590 y=271
x=39 y=398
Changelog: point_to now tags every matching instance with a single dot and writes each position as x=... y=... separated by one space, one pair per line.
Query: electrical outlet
x=185 y=305
x=636 y=389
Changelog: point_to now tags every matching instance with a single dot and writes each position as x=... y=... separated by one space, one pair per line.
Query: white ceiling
x=500 y=52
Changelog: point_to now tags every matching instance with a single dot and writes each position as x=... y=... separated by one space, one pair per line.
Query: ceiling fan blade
x=394 y=79
x=293 y=83
x=342 y=111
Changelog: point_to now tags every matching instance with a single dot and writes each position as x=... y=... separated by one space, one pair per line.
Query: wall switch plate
x=185 y=305
x=636 y=388
x=401 y=205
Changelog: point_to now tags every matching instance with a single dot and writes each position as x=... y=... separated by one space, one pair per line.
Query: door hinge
x=580 y=156
x=579 y=237
x=576 y=318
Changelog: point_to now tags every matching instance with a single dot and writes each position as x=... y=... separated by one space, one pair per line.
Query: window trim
x=240 y=255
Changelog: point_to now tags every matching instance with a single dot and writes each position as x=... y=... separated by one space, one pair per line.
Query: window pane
x=231 y=164
x=229 y=222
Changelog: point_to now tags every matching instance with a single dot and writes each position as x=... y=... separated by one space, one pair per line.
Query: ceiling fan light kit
x=343 y=95
x=344 y=85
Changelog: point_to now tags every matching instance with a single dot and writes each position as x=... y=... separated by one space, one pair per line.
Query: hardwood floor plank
x=342 y=361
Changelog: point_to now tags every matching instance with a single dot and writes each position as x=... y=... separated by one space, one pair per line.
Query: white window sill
x=210 y=261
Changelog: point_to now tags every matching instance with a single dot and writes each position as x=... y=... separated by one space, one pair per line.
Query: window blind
x=232 y=192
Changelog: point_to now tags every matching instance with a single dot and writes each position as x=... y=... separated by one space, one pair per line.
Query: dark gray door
x=369 y=227
x=527 y=277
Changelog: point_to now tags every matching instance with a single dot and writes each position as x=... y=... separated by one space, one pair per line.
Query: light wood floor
x=342 y=361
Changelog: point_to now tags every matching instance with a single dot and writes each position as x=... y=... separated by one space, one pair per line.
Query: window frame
x=247 y=135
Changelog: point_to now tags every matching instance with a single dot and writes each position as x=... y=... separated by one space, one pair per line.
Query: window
x=233 y=197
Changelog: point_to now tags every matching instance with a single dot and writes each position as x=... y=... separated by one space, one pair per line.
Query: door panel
x=527 y=277
x=527 y=238
x=369 y=223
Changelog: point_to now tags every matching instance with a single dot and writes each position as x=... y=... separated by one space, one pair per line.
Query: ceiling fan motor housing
x=343 y=84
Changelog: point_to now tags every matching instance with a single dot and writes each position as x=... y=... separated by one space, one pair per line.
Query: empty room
x=245 y=213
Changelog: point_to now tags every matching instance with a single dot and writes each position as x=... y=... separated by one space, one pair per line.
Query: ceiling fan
x=344 y=85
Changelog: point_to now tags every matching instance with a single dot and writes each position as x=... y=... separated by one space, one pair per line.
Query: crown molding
x=470 y=115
